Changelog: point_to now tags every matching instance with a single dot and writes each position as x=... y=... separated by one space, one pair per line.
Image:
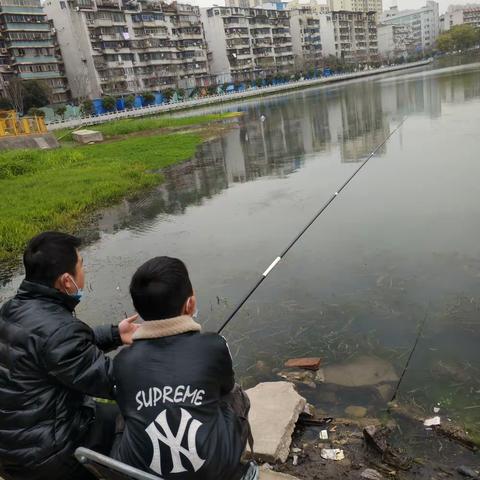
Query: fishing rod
x=419 y=334
x=307 y=226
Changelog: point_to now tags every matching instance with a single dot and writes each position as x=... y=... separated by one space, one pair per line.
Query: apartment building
x=461 y=14
x=247 y=43
x=423 y=22
x=354 y=36
x=27 y=49
x=309 y=30
x=395 y=41
x=356 y=6
x=129 y=46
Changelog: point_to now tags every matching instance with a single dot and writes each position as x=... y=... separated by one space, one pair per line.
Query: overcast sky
x=402 y=4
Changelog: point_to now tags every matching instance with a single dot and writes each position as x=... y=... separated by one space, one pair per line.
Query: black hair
x=160 y=288
x=50 y=255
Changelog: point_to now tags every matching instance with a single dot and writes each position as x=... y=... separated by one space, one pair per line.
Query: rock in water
x=356 y=412
x=371 y=474
x=310 y=363
x=467 y=472
x=275 y=407
x=361 y=371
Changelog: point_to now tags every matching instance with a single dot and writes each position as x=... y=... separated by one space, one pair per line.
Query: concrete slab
x=275 y=407
x=87 y=136
x=43 y=141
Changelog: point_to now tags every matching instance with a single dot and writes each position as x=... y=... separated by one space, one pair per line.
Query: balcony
x=108 y=4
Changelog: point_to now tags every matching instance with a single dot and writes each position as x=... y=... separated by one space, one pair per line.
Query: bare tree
x=15 y=92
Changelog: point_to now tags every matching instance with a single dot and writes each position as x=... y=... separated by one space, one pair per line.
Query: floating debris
x=323 y=435
x=432 y=422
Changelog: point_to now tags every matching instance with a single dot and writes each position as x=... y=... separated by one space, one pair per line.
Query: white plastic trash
x=323 y=435
x=432 y=422
x=332 y=454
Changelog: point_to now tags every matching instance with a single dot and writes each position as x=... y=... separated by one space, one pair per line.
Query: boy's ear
x=190 y=306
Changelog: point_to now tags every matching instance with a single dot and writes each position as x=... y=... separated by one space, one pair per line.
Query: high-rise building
x=128 y=46
x=27 y=49
x=395 y=41
x=310 y=30
x=355 y=36
x=423 y=22
x=462 y=14
x=356 y=6
x=247 y=43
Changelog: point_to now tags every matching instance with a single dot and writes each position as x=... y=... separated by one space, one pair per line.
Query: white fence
x=226 y=97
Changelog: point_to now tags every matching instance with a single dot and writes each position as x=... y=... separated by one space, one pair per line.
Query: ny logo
x=174 y=442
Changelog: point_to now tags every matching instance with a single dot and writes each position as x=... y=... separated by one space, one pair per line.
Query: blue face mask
x=78 y=295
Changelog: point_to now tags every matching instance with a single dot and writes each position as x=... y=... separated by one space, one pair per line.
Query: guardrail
x=221 y=98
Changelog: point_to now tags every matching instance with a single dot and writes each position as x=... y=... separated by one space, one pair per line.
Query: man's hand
x=127 y=328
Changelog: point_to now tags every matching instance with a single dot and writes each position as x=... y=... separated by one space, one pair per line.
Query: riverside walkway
x=223 y=98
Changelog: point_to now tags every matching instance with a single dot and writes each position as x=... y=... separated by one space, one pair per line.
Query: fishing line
x=419 y=334
x=307 y=226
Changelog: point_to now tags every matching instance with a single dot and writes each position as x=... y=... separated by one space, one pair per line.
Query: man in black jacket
x=185 y=418
x=50 y=365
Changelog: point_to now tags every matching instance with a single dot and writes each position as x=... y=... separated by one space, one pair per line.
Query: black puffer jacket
x=49 y=360
x=170 y=389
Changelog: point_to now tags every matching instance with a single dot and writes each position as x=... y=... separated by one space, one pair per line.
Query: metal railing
x=221 y=98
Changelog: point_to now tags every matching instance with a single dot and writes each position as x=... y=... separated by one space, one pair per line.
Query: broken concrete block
x=87 y=136
x=309 y=363
x=275 y=407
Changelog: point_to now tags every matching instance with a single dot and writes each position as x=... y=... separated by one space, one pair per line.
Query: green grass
x=43 y=190
x=135 y=125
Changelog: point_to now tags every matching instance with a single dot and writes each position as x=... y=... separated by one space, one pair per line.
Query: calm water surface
x=402 y=241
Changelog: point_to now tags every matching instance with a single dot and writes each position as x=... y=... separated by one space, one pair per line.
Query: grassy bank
x=135 y=125
x=44 y=190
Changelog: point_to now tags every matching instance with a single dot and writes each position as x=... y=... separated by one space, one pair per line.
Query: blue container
x=120 y=104
x=327 y=72
x=98 y=106
x=159 y=98
x=138 y=101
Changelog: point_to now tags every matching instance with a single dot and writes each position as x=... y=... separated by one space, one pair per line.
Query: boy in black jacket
x=184 y=416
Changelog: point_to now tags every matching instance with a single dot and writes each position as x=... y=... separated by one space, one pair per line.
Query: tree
x=148 y=98
x=15 y=94
x=36 y=112
x=109 y=103
x=87 y=108
x=60 y=111
x=37 y=93
x=129 y=101
x=459 y=37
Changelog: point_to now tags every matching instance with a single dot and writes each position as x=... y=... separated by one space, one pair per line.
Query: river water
x=400 y=243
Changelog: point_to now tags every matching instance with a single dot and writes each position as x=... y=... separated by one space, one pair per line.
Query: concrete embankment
x=231 y=97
